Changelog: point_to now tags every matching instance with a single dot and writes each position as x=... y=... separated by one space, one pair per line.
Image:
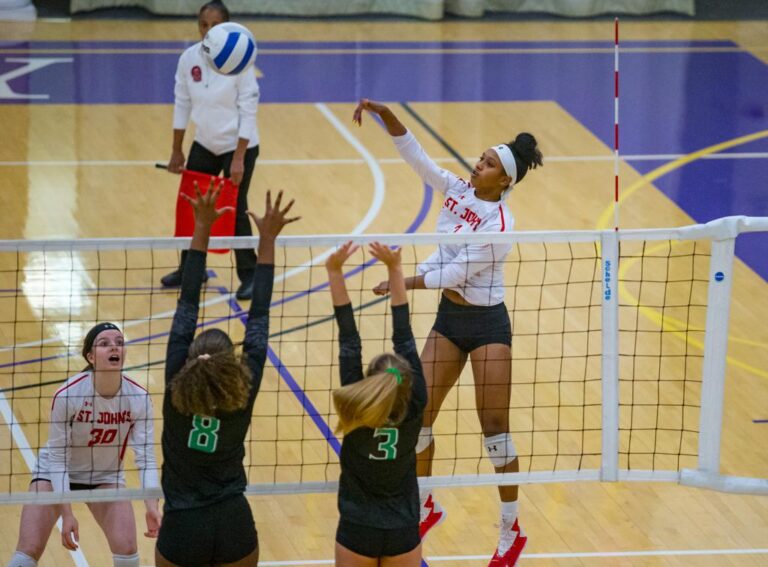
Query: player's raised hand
x=335 y=261
x=274 y=218
x=388 y=256
x=206 y=212
x=370 y=106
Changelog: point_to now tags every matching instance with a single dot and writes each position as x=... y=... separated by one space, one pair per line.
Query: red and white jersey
x=88 y=435
x=223 y=107
x=475 y=271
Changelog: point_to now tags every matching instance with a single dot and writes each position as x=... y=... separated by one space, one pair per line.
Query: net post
x=609 y=466
x=715 y=351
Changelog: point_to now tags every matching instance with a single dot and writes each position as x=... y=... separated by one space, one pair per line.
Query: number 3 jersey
x=88 y=435
x=378 y=486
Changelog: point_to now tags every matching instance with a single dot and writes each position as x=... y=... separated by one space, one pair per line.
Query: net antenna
x=616 y=123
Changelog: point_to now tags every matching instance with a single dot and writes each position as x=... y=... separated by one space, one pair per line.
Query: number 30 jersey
x=88 y=435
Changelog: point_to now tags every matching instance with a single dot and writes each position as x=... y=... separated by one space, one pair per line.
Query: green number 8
x=203 y=436
x=388 y=446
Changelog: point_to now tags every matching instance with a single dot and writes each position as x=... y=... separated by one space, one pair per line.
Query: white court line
x=373 y=211
x=29 y=458
x=564 y=555
x=358 y=161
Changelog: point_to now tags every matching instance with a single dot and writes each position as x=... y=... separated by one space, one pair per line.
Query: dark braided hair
x=527 y=155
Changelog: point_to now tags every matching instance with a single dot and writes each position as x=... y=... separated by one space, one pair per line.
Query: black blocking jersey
x=378 y=485
x=203 y=455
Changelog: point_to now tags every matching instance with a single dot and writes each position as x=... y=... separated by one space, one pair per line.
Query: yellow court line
x=667 y=323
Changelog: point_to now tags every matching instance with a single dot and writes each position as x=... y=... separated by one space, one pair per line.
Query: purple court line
x=306 y=403
x=301 y=395
x=760 y=421
x=23 y=45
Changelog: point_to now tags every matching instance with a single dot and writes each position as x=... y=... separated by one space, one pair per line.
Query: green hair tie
x=396 y=373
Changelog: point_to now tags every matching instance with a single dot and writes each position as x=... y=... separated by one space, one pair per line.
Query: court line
x=562 y=555
x=665 y=322
x=358 y=161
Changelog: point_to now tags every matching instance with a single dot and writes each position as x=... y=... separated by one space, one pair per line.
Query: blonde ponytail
x=379 y=399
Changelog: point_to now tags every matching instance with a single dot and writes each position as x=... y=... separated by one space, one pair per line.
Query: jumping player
x=472 y=320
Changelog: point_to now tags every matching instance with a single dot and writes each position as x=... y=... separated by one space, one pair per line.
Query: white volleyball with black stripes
x=229 y=48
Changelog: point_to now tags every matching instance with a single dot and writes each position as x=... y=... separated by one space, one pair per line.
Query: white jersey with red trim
x=88 y=435
x=475 y=271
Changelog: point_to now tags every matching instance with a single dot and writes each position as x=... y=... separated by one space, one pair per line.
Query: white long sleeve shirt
x=475 y=271
x=222 y=107
x=88 y=435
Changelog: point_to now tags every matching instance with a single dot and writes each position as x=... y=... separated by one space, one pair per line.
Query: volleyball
x=229 y=48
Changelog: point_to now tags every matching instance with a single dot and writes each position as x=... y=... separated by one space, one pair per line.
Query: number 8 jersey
x=88 y=435
x=203 y=454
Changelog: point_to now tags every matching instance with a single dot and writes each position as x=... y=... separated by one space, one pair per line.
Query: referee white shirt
x=475 y=271
x=222 y=107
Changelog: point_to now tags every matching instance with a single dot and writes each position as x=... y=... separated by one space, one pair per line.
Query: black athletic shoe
x=171 y=280
x=245 y=291
x=174 y=279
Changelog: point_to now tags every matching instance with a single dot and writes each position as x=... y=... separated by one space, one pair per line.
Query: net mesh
x=554 y=293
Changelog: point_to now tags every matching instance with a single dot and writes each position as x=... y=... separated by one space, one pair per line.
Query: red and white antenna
x=616 y=124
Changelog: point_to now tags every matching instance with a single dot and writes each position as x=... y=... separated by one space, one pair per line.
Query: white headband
x=508 y=161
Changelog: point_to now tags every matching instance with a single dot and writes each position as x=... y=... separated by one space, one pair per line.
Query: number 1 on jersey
x=388 y=446
x=202 y=436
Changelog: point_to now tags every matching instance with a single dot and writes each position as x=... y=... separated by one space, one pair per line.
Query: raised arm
x=402 y=335
x=185 y=319
x=350 y=347
x=406 y=143
x=257 y=327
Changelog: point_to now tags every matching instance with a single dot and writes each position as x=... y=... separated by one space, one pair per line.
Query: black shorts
x=472 y=326
x=72 y=485
x=377 y=542
x=220 y=533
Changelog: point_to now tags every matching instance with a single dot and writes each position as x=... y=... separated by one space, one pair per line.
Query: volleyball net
x=619 y=352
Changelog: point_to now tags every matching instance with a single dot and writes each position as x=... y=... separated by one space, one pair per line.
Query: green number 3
x=203 y=436
x=388 y=446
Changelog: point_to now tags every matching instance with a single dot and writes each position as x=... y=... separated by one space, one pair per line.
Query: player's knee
x=494 y=423
x=501 y=449
x=124 y=545
x=425 y=439
x=127 y=560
